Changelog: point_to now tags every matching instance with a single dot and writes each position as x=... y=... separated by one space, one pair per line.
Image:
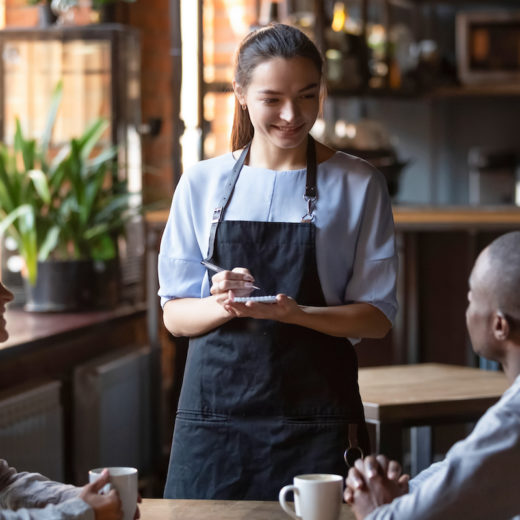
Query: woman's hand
x=239 y=281
x=283 y=310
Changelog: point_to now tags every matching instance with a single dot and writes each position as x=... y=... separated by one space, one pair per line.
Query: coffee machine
x=493 y=176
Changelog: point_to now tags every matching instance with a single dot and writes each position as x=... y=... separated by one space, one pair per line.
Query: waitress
x=270 y=389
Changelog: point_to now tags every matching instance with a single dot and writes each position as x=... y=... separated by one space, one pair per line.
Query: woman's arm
x=194 y=316
x=355 y=320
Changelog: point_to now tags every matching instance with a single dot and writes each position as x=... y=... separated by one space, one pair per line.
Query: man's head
x=493 y=314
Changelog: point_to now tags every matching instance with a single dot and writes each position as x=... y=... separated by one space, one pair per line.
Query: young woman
x=270 y=390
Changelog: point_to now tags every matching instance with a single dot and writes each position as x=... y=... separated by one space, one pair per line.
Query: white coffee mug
x=124 y=480
x=317 y=496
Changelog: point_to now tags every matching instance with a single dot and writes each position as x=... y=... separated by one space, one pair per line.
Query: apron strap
x=310 y=196
x=218 y=212
x=311 y=192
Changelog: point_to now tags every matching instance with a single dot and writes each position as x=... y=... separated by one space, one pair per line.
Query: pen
x=218 y=269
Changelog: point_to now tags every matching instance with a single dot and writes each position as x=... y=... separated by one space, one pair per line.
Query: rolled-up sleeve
x=180 y=270
x=374 y=274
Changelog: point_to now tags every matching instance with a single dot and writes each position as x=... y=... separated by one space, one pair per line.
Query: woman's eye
x=269 y=101
x=309 y=96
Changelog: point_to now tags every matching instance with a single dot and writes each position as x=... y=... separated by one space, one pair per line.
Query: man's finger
x=394 y=470
x=355 y=479
x=372 y=468
x=348 y=495
x=383 y=463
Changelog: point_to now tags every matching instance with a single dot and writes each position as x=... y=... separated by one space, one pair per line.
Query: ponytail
x=242 y=131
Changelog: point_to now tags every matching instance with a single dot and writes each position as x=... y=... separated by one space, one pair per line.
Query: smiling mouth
x=288 y=129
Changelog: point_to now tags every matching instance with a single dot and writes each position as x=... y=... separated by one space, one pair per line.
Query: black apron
x=263 y=401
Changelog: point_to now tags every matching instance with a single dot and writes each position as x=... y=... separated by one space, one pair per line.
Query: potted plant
x=50 y=9
x=46 y=15
x=66 y=212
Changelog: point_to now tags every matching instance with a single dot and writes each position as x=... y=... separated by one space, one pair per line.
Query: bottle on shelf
x=344 y=49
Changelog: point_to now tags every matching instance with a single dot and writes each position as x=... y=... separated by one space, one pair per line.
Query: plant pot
x=107 y=13
x=46 y=16
x=73 y=285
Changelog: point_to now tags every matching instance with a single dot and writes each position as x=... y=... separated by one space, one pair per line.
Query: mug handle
x=285 y=506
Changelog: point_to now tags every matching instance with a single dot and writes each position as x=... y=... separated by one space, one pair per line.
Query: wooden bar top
x=162 y=509
x=428 y=390
x=426 y=217
x=456 y=217
x=28 y=328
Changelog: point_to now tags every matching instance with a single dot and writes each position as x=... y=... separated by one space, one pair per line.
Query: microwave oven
x=488 y=46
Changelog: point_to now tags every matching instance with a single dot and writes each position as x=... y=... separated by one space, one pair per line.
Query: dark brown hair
x=274 y=41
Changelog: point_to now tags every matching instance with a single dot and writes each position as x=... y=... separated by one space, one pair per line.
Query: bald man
x=478 y=479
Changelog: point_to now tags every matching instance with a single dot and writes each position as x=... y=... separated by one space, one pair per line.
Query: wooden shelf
x=453 y=91
x=219 y=87
x=456 y=217
x=423 y=217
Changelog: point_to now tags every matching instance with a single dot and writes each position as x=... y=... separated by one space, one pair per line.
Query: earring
x=244 y=107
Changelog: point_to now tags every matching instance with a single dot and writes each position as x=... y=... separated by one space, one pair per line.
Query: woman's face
x=283 y=100
x=5 y=296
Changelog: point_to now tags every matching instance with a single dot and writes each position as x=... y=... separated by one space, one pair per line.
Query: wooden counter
x=456 y=217
x=426 y=217
x=161 y=509
x=30 y=330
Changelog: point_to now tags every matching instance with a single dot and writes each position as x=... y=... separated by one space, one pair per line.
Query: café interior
x=428 y=91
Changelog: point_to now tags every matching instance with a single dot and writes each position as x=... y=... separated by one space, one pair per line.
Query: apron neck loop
x=311 y=192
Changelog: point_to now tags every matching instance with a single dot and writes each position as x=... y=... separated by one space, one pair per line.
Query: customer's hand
x=106 y=507
x=372 y=482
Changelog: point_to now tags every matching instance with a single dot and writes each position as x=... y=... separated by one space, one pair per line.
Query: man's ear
x=500 y=326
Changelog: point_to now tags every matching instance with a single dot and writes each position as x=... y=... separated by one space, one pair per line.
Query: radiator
x=112 y=412
x=31 y=428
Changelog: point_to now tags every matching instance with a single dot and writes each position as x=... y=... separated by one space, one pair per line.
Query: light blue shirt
x=477 y=480
x=355 y=244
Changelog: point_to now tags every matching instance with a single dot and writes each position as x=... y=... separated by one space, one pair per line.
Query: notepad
x=259 y=299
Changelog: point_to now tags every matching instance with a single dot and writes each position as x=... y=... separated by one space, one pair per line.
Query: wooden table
x=162 y=509
x=401 y=396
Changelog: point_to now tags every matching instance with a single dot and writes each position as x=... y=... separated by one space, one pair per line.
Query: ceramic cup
x=124 y=480
x=317 y=496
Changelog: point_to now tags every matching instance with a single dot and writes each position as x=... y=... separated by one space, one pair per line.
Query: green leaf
x=103 y=247
x=57 y=94
x=91 y=136
x=41 y=185
x=49 y=244
x=25 y=146
x=14 y=215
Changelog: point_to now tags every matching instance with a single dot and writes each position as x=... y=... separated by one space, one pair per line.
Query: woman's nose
x=289 y=111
